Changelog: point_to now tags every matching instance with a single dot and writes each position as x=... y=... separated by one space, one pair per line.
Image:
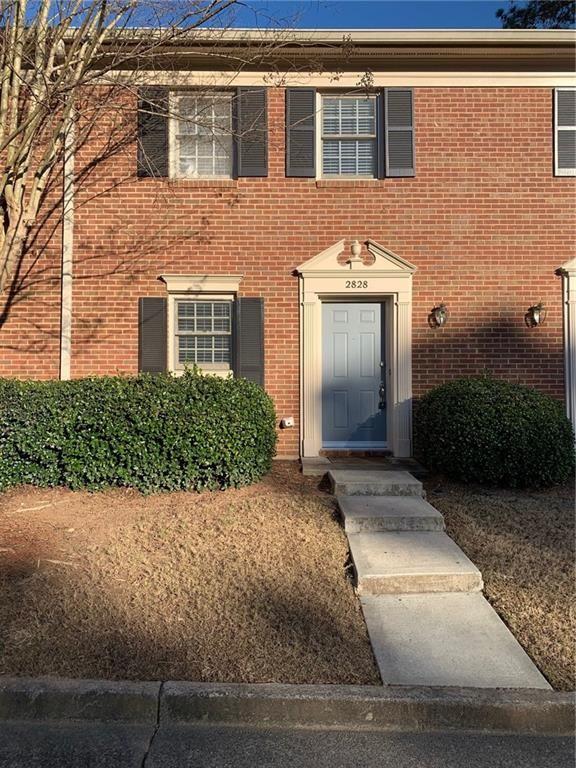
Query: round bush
x=151 y=432
x=494 y=432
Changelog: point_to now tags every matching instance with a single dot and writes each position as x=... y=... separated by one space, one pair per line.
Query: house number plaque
x=356 y=283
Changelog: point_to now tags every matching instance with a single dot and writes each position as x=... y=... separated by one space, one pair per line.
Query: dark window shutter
x=399 y=132
x=301 y=132
x=251 y=125
x=152 y=339
x=565 y=132
x=153 y=132
x=249 y=339
x=566 y=150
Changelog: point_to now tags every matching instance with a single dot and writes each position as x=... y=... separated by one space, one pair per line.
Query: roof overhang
x=454 y=49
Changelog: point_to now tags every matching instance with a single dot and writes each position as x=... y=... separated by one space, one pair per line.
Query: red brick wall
x=484 y=220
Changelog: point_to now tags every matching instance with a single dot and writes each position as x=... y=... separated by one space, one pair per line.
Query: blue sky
x=369 y=14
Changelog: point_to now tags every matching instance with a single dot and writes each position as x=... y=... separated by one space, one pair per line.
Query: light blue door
x=353 y=372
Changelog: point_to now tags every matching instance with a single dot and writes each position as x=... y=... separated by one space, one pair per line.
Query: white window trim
x=197 y=288
x=318 y=132
x=557 y=128
x=172 y=140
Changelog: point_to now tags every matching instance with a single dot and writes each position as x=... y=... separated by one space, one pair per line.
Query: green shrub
x=151 y=432
x=494 y=432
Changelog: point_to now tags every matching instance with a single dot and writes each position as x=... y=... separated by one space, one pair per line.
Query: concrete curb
x=363 y=707
x=419 y=708
x=61 y=699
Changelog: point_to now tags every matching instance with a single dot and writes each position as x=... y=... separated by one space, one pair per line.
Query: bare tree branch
x=82 y=61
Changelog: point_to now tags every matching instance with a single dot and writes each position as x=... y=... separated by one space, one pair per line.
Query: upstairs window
x=349 y=144
x=201 y=135
x=565 y=132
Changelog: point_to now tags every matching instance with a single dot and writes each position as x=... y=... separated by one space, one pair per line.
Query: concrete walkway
x=426 y=617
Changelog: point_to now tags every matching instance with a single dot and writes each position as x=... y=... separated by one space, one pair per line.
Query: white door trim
x=568 y=273
x=326 y=277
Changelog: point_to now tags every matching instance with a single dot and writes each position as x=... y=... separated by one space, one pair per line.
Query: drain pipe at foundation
x=67 y=251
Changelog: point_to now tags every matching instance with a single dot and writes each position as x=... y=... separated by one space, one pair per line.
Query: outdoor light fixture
x=438 y=316
x=535 y=315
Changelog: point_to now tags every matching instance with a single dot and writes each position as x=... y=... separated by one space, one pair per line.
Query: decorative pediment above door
x=342 y=257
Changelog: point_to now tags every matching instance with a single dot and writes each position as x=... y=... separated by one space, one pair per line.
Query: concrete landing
x=319 y=465
x=446 y=640
x=362 y=482
x=391 y=563
x=388 y=513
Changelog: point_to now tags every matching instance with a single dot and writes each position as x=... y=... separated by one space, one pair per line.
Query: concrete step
x=362 y=482
x=446 y=640
x=315 y=467
x=388 y=513
x=318 y=466
x=407 y=562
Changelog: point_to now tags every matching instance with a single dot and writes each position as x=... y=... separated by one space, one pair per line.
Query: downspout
x=67 y=251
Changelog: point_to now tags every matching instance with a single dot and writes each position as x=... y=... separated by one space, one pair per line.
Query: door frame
x=384 y=352
x=327 y=277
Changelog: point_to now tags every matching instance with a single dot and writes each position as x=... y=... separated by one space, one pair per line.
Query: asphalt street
x=108 y=745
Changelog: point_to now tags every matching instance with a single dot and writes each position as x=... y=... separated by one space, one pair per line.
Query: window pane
x=203 y=145
x=203 y=349
x=331 y=157
x=355 y=157
x=185 y=316
x=187 y=168
x=221 y=324
x=203 y=138
x=367 y=116
x=348 y=162
x=187 y=146
x=330 y=116
x=204 y=324
x=221 y=349
x=348 y=116
x=222 y=165
x=366 y=153
x=186 y=349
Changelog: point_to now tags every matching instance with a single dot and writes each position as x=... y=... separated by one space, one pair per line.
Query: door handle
x=382 y=394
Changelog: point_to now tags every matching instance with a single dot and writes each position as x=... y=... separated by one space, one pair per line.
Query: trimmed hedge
x=494 y=432
x=150 y=432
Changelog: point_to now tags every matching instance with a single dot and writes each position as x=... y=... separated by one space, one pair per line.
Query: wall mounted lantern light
x=438 y=316
x=535 y=315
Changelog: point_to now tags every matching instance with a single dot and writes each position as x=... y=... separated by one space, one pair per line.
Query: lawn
x=246 y=585
x=523 y=542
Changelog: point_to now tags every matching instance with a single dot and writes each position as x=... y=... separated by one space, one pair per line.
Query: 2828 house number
x=356 y=283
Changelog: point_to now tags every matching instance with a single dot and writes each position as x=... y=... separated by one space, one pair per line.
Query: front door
x=353 y=376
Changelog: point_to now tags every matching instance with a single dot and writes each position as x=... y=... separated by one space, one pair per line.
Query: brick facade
x=484 y=220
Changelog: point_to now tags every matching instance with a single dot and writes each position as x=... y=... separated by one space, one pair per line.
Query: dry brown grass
x=523 y=542
x=246 y=585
